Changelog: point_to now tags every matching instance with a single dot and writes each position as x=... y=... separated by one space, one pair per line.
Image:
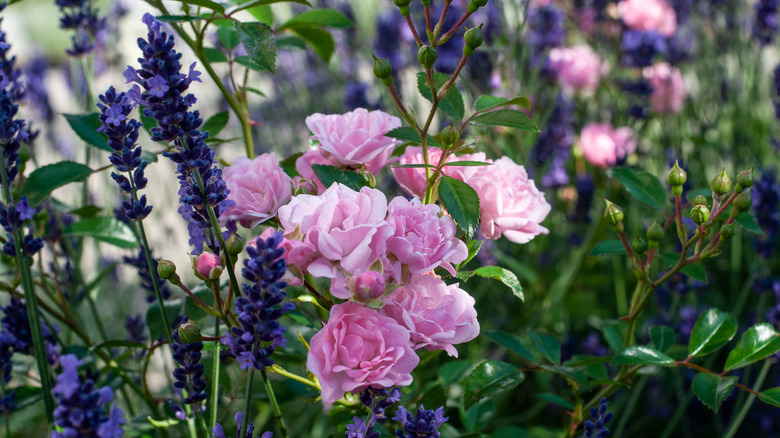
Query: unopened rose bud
x=743 y=201
x=427 y=56
x=383 y=70
x=473 y=39
x=449 y=136
x=699 y=200
x=476 y=4
x=167 y=271
x=403 y=6
x=721 y=183
x=726 y=232
x=189 y=333
x=639 y=246
x=208 y=266
x=234 y=245
x=613 y=213
x=700 y=214
x=655 y=234
x=367 y=286
x=744 y=180
x=676 y=178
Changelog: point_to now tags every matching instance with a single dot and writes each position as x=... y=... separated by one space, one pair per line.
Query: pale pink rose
x=646 y=15
x=669 y=90
x=509 y=202
x=603 y=146
x=340 y=231
x=310 y=182
x=359 y=348
x=412 y=179
x=438 y=316
x=578 y=68
x=422 y=241
x=258 y=187
x=355 y=138
x=208 y=265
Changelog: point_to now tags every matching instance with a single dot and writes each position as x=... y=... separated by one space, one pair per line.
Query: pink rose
x=309 y=179
x=359 y=348
x=355 y=138
x=208 y=266
x=578 y=68
x=412 y=179
x=668 y=88
x=646 y=15
x=604 y=146
x=438 y=316
x=509 y=202
x=340 y=230
x=258 y=187
x=422 y=240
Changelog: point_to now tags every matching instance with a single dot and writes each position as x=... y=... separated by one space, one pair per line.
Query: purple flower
x=16 y=331
x=260 y=333
x=597 y=427
x=641 y=48
x=220 y=433
x=83 y=19
x=425 y=424
x=81 y=408
x=189 y=374
x=765 y=27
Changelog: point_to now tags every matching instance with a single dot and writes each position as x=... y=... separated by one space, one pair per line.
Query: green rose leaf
x=713 y=329
x=490 y=379
x=713 y=390
x=756 y=343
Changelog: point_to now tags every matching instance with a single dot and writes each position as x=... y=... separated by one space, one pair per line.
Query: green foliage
x=461 y=202
x=712 y=331
x=643 y=186
x=642 y=355
x=216 y=123
x=104 y=229
x=259 y=42
x=712 y=389
x=511 y=343
x=489 y=379
x=331 y=174
x=548 y=346
x=86 y=126
x=756 y=343
x=452 y=104
x=662 y=337
x=487 y=102
x=43 y=180
x=505 y=117
x=497 y=273
x=608 y=247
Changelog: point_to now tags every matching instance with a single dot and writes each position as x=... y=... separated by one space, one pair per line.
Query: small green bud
x=403 y=6
x=639 y=246
x=449 y=136
x=167 y=271
x=700 y=200
x=700 y=214
x=383 y=70
x=743 y=201
x=473 y=37
x=655 y=233
x=677 y=176
x=476 y=4
x=189 y=333
x=744 y=180
x=727 y=232
x=234 y=244
x=425 y=2
x=613 y=213
x=427 y=56
x=721 y=183
x=24 y=152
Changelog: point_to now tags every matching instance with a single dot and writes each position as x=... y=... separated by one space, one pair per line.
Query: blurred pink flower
x=669 y=90
x=258 y=187
x=604 y=146
x=422 y=240
x=578 y=68
x=339 y=231
x=645 y=15
x=358 y=348
x=438 y=316
x=509 y=202
x=355 y=138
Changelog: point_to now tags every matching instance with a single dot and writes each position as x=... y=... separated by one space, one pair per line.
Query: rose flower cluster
x=380 y=256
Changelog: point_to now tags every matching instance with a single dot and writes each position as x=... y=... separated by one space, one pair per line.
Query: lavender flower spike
x=220 y=433
x=425 y=424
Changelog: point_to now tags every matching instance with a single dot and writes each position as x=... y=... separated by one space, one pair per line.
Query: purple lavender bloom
x=597 y=427
x=765 y=27
x=16 y=331
x=546 y=30
x=189 y=374
x=389 y=28
x=164 y=88
x=82 y=409
x=641 y=48
x=425 y=424
x=36 y=93
x=359 y=429
x=553 y=145
x=258 y=310
x=135 y=328
x=122 y=132
x=83 y=19
x=10 y=76
x=766 y=198
x=145 y=274
x=220 y=433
